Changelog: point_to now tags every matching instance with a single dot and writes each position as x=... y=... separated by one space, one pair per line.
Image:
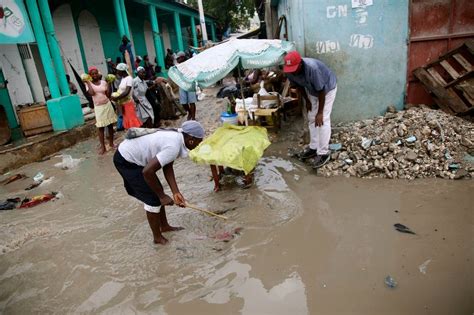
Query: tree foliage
x=233 y=13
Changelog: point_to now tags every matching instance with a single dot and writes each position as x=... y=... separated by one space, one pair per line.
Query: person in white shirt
x=124 y=98
x=137 y=160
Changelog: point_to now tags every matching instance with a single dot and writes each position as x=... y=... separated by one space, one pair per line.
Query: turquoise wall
x=137 y=14
x=169 y=21
x=366 y=47
x=104 y=14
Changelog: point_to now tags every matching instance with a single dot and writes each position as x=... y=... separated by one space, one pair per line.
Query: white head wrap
x=122 y=67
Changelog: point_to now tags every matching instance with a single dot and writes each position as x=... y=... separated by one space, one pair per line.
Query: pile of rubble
x=414 y=143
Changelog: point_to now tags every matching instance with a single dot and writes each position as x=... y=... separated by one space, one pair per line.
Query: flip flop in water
x=403 y=229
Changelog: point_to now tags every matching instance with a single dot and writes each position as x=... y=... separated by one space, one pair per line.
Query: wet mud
x=304 y=244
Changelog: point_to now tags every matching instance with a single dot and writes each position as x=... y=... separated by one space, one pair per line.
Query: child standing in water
x=104 y=112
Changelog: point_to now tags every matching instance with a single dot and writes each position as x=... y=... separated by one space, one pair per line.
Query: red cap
x=292 y=61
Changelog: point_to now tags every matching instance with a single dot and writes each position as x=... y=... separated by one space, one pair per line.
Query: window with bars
x=24 y=51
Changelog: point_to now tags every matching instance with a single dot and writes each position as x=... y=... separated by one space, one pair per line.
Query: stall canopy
x=215 y=63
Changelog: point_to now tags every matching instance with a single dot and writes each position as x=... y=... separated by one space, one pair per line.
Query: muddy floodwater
x=308 y=244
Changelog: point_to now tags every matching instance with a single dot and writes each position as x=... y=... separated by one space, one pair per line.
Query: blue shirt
x=127 y=47
x=315 y=77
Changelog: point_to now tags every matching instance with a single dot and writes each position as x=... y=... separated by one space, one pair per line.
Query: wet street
x=294 y=243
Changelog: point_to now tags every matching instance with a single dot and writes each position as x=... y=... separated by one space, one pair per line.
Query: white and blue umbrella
x=216 y=62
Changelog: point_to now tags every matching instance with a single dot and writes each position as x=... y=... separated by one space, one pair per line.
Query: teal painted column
x=54 y=47
x=156 y=36
x=43 y=48
x=213 y=32
x=179 y=35
x=193 y=31
x=65 y=112
x=125 y=19
x=118 y=17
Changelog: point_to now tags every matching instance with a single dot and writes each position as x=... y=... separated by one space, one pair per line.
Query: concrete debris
x=391 y=109
x=414 y=143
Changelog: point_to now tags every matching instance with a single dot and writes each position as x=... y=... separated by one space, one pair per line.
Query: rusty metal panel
x=422 y=53
x=463 y=17
x=436 y=26
x=429 y=17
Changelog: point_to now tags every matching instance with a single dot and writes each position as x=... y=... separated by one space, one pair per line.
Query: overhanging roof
x=169 y=5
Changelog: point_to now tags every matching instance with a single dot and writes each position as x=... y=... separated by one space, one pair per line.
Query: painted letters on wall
x=15 y=27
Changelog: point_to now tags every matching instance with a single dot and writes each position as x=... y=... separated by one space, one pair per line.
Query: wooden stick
x=205 y=211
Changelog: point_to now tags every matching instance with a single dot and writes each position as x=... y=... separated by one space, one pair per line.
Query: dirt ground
x=307 y=244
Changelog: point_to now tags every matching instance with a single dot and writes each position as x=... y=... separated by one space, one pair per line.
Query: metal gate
x=436 y=26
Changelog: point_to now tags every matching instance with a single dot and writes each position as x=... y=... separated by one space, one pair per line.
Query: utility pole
x=203 y=23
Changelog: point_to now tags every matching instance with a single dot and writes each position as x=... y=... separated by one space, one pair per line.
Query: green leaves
x=233 y=13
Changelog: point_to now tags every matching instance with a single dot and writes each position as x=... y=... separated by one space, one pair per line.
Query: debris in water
x=226 y=236
x=9 y=204
x=38 y=177
x=36 y=200
x=68 y=162
x=225 y=210
x=402 y=228
x=34 y=185
x=13 y=178
x=390 y=282
x=423 y=266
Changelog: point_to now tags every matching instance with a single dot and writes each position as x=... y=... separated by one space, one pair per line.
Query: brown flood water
x=309 y=245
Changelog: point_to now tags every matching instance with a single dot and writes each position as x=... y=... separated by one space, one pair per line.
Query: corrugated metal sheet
x=436 y=26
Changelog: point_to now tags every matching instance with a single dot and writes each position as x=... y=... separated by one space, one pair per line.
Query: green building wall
x=137 y=13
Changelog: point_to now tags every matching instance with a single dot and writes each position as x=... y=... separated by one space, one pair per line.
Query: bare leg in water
x=154 y=222
x=186 y=107
x=111 y=136
x=192 y=111
x=164 y=225
x=101 y=140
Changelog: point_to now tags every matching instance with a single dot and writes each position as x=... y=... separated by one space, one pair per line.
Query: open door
x=5 y=133
x=5 y=104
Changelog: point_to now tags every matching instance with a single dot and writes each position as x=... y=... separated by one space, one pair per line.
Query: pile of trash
x=415 y=143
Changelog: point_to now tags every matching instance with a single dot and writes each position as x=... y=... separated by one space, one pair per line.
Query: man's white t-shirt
x=127 y=81
x=166 y=145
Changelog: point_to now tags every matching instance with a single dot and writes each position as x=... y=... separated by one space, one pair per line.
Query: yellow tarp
x=237 y=147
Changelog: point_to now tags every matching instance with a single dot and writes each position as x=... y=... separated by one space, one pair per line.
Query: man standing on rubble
x=317 y=84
